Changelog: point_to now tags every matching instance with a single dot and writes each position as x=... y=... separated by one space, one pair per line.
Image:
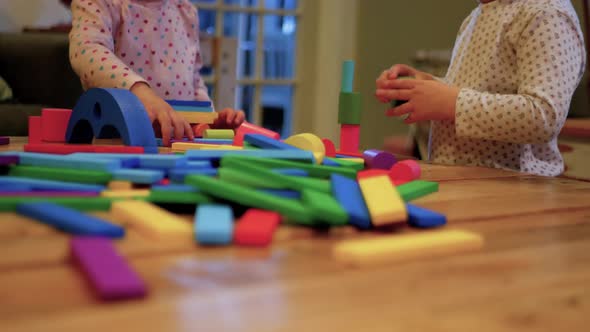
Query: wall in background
x=391 y=32
x=16 y=14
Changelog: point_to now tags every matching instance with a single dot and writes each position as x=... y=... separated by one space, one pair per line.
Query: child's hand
x=229 y=119
x=427 y=99
x=397 y=71
x=169 y=122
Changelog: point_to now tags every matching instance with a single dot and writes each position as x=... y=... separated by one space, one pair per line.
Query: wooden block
x=131 y=193
x=248 y=128
x=9 y=204
x=199 y=117
x=385 y=205
x=379 y=159
x=324 y=207
x=349 y=138
x=139 y=176
x=309 y=142
x=219 y=133
x=423 y=218
x=405 y=171
x=40 y=184
x=55 y=123
x=61 y=174
x=214 y=224
x=106 y=270
x=256 y=228
x=120 y=185
x=35 y=129
x=329 y=147
x=348 y=193
x=298 y=155
x=69 y=220
x=416 y=189
x=152 y=221
x=392 y=249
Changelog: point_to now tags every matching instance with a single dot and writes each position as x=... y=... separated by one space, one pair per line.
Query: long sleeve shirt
x=517 y=63
x=117 y=43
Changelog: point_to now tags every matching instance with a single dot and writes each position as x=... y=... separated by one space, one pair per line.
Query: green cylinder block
x=349 y=108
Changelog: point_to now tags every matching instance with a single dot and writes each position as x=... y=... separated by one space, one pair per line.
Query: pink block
x=405 y=171
x=349 y=138
x=248 y=128
x=35 y=129
x=55 y=124
x=330 y=147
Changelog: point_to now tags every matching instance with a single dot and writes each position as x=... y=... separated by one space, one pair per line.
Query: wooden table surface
x=532 y=275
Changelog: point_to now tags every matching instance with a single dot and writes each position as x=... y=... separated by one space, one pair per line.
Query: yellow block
x=184 y=146
x=120 y=185
x=219 y=133
x=309 y=142
x=152 y=221
x=129 y=193
x=199 y=117
x=354 y=160
x=385 y=205
x=398 y=248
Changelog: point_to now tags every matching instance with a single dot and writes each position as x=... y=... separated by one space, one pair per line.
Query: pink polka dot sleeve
x=550 y=58
x=92 y=46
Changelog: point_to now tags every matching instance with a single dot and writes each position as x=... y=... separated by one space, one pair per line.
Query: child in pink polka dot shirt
x=506 y=95
x=150 y=47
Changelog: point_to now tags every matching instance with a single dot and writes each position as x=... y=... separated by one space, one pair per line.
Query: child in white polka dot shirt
x=150 y=47
x=506 y=95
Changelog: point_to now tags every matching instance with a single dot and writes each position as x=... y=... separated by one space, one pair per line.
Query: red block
x=248 y=128
x=349 y=138
x=370 y=173
x=256 y=227
x=405 y=171
x=55 y=124
x=61 y=148
x=330 y=147
x=35 y=129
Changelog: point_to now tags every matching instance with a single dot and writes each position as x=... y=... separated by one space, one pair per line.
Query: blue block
x=149 y=161
x=330 y=162
x=42 y=185
x=197 y=164
x=291 y=171
x=178 y=174
x=159 y=142
x=179 y=108
x=141 y=176
x=194 y=103
x=16 y=187
x=348 y=193
x=214 y=224
x=298 y=155
x=424 y=218
x=214 y=141
x=347 y=76
x=176 y=188
x=110 y=113
x=68 y=161
x=284 y=193
x=266 y=142
x=69 y=220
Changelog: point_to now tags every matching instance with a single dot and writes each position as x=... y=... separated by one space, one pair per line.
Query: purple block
x=107 y=271
x=17 y=193
x=8 y=160
x=377 y=159
x=4 y=140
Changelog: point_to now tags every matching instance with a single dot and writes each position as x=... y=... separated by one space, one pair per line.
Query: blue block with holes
x=111 y=113
x=423 y=218
x=189 y=103
x=214 y=224
x=69 y=220
x=348 y=193
x=140 y=176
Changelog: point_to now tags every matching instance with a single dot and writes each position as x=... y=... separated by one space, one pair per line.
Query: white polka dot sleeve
x=92 y=46
x=551 y=60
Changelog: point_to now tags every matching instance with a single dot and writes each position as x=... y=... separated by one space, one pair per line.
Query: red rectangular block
x=256 y=227
x=60 y=148
x=248 y=128
x=54 y=124
x=349 y=138
x=35 y=129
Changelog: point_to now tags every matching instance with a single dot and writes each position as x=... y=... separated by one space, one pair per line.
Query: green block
x=347 y=163
x=8 y=204
x=238 y=176
x=416 y=189
x=61 y=174
x=291 y=209
x=165 y=196
x=250 y=146
x=258 y=176
x=314 y=170
x=324 y=207
x=219 y=133
x=349 y=108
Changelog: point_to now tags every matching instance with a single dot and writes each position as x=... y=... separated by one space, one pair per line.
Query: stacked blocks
x=195 y=112
x=349 y=111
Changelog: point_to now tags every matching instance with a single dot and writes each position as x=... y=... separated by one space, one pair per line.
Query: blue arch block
x=110 y=113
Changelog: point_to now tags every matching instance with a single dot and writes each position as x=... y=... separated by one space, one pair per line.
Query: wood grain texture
x=532 y=275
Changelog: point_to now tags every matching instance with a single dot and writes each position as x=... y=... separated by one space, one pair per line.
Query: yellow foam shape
x=120 y=185
x=309 y=142
x=219 y=133
x=199 y=117
x=385 y=205
x=398 y=248
x=184 y=146
x=152 y=221
x=125 y=193
x=354 y=160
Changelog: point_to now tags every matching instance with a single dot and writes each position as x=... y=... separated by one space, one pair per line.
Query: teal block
x=192 y=109
x=347 y=76
x=214 y=224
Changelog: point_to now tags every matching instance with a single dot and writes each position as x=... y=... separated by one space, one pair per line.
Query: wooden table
x=532 y=275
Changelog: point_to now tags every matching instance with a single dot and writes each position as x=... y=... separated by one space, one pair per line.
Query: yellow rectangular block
x=398 y=248
x=129 y=193
x=356 y=160
x=151 y=220
x=219 y=133
x=199 y=117
x=184 y=146
x=385 y=205
x=120 y=185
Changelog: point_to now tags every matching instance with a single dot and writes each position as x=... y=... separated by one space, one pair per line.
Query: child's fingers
x=229 y=118
x=400 y=70
x=239 y=119
x=401 y=84
x=400 y=110
x=388 y=94
x=178 y=124
x=165 y=127
x=188 y=130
